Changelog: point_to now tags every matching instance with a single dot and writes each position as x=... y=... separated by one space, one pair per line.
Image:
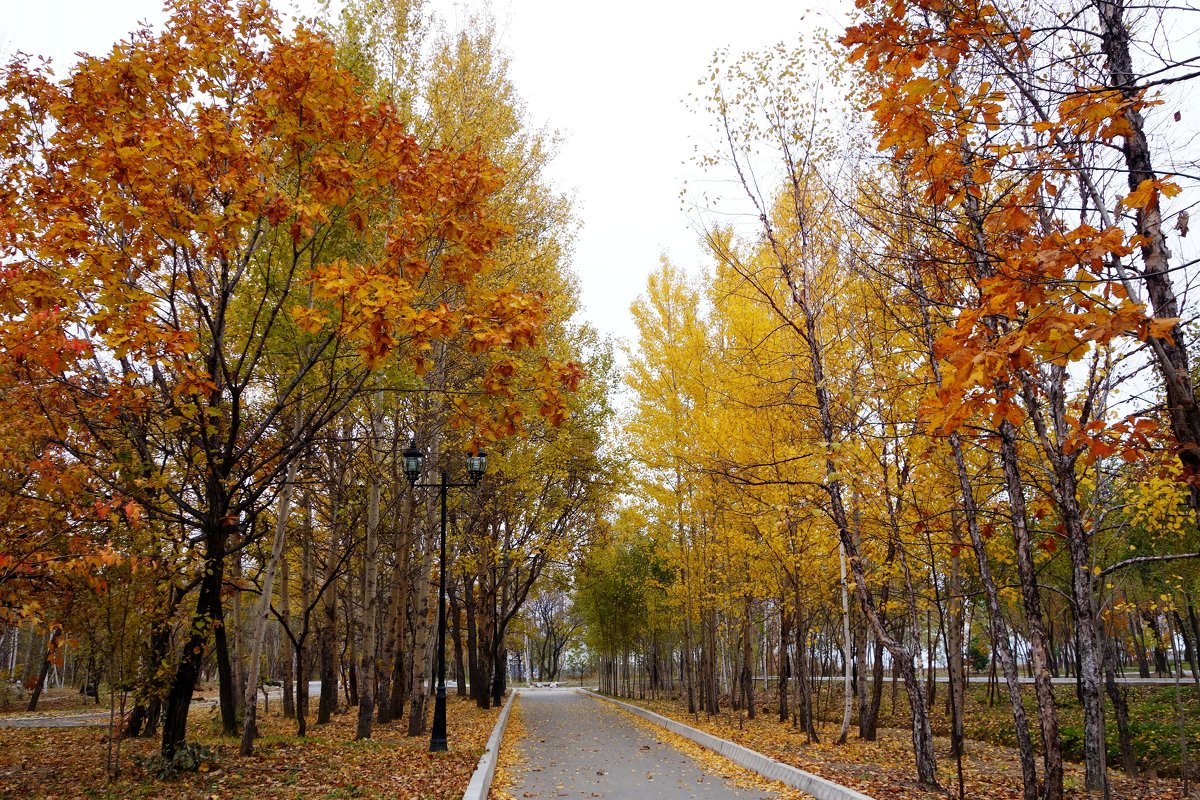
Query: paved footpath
x=100 y=718
x=56 y=720
x=577 y=746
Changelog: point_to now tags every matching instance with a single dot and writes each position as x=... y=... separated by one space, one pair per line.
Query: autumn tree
x=994 y=115
x=667 y=375
x=799 y=236
x=171 y=210
x=455 y=87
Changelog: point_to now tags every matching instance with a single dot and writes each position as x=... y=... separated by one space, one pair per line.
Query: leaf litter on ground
x=510 y=758
x=884 y=769
x=55 y=763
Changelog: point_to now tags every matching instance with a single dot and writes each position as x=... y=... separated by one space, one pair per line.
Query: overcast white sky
x=612 y=77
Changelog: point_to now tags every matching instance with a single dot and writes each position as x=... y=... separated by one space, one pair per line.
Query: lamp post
x=497 y=667
x=414 y=461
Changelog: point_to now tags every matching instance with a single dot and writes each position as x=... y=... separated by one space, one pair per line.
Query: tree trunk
x=384 y=662
x=348 y=657
x=1054 y=654
x=44 y=670
x=922 y=731
x=689 y=667
x=500 y=677
x=285 y=611
x=227 y=680
x=930 y=651
x=472 y=634
x=262 y=613
x=455 y=623
x=1039 y=661
x=300 y=655
x=785 y=659
x=1003 y=655
x=1064 y=490
x=804 y=700
x=954 y=650
x=482 y=692
x=869 y=731
x=370 y=645
x=746 y=677
x=1121 y=708
x=847 y=698
x=425 y=592
x=1161 y=668
x=708 y=656
x=327 y=653
x=426 y=589
x=1189 y=651
x=306 y=602
x=208 y=617
x=862 y=637
x=1091 y=656
x=1194 y=625
x=1171 y=351
x=1139 y=640
x=33 y=660
x=395 y=648
x=399 y=686
x=234 y=637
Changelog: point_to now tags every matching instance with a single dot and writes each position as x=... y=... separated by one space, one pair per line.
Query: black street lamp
x=414 y=461
x=497 y=668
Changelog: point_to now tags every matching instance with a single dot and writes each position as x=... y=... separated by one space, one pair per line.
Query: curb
x=767 y=767
x=485 y=770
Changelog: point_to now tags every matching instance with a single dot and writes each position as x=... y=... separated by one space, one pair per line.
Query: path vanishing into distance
x=576 y=746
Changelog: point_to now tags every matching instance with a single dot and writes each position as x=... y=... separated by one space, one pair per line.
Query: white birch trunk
x=366 y=669
x=848 y=703
x=262 y=612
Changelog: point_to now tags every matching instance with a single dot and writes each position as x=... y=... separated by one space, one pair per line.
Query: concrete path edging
x=485 y=770
x=767 y=767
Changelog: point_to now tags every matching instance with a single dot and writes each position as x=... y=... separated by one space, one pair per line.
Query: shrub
x=191 y=757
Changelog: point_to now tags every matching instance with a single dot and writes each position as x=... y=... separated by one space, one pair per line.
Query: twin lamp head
x=414 y=463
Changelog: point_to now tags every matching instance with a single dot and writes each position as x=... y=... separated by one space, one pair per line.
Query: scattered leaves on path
x=716 y=764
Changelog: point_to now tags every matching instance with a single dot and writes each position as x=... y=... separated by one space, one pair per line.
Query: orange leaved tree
x=211 y=238
x=1011 y=121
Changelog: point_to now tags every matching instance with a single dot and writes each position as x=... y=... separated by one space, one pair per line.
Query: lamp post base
x=437 y=738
